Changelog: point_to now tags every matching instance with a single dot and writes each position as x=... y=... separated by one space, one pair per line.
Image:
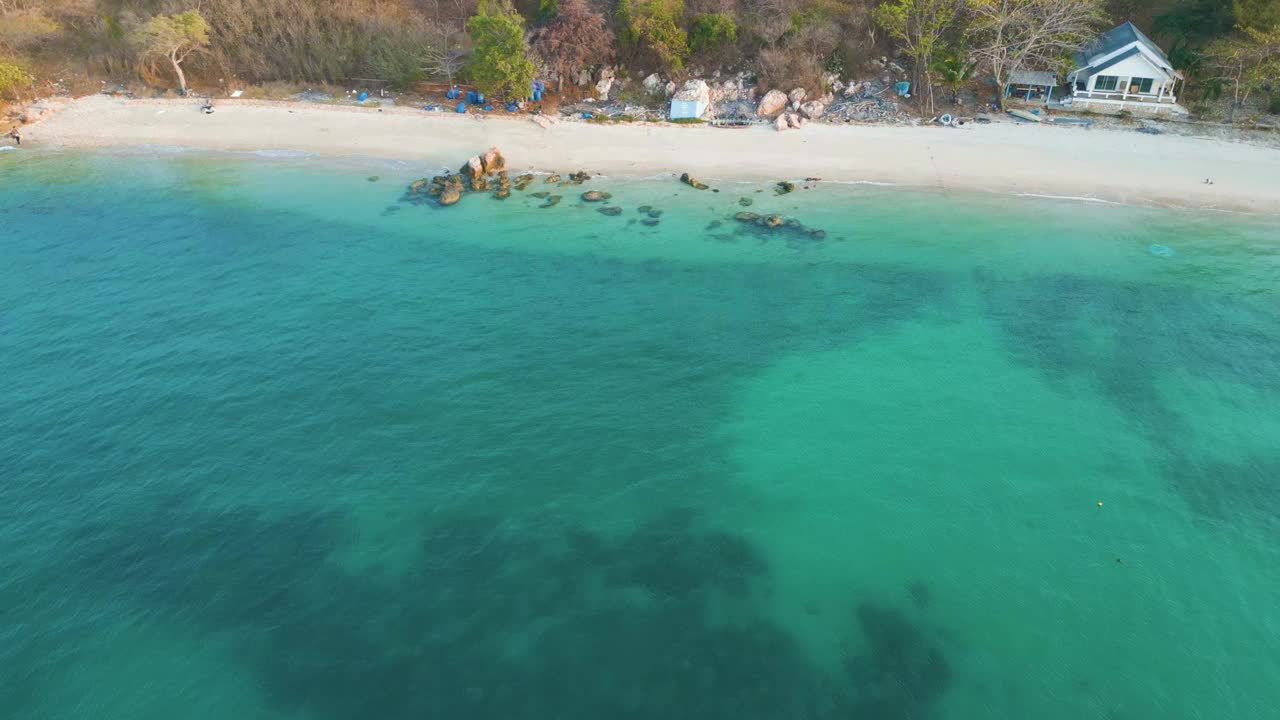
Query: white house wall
x=1136 y=66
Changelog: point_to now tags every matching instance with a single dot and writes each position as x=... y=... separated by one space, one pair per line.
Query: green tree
x=1261 y=15
x=173 y=37
x=1248 y=62
x=920 y=26
x=500 y=63
x=955 y=69
x=12 y=77
x=712 y=31
x=655 y=27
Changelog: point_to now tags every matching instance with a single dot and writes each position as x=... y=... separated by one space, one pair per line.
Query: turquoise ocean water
x=274 y=444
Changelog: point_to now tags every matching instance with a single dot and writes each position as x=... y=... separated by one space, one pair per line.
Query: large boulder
x=473 y=167
x=796 y=95
x=693 y=182
x=452 y=192
x=781 y=123
x=653 y=83
x=605 y=84
x=696 y=91
x=812 y=109
x=493 y=161
x=795 y=120
x=772 y=103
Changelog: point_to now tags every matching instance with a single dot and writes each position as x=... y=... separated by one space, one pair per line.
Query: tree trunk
x=177 y=68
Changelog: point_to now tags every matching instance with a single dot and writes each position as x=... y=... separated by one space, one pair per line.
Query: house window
x=1142 y=85
x=1106 y=82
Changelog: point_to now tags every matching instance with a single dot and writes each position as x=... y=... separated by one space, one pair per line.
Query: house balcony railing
x=1125 y=97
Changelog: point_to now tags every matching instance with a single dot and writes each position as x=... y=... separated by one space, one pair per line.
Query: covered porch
x=1031 y=86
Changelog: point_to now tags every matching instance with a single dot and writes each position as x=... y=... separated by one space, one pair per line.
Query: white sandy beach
x=1114 y=165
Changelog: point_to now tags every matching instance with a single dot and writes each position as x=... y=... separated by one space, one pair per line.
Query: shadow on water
x=663 y=621
x=1127 y=336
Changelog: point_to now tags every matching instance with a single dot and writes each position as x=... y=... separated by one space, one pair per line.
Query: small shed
x=1031 y=85
x=692 y=100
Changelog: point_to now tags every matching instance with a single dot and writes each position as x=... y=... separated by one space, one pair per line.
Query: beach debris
x=552 y=178
x=783 y=187
x=595 y=196
x=693 y=182
x=551 y=201
x=611 y=211
x=773 y=102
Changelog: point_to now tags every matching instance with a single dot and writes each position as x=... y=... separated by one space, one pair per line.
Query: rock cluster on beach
x=487 y=173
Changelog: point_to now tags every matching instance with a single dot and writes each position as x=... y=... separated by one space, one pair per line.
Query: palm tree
x=955 y=69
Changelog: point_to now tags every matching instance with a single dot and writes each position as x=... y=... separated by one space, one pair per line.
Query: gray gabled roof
x=1116 y=38
x=1112 y=40
x=1033 y=77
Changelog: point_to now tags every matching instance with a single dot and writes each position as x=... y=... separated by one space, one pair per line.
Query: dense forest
x=1227 y=48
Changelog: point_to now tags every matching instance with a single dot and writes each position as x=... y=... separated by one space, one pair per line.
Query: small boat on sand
x=1025 y=115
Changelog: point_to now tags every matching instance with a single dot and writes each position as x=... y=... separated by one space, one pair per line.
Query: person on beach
x=16 y=135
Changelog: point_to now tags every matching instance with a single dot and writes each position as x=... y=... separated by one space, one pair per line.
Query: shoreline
x=1091 y=165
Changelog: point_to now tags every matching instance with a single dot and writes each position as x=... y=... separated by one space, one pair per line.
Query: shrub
x=13 y=76
x=712 y=31
x=1274 y=106
x=688 y=121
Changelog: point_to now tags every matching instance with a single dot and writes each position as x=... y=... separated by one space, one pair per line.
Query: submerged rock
x=610 y=211
x=783 y=187
x=745 y=202
x=419 y=186
x=451 y=194
x=773 y=221
x=654 y=213
x=650 y=221
x=747 y=217
x=693 y=182
x=523 y=181
x=644 y=208
x=551 y=179
x=540 y=194
x=502 y=193
x=595 y=196
x=551 y=201
x=579 y=177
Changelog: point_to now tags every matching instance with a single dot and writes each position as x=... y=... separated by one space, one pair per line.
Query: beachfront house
x=1123 y=69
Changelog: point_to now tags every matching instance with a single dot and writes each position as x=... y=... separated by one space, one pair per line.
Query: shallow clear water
x=274 y=444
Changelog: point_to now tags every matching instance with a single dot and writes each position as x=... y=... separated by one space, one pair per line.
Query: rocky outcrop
x=552 y=178
x=523 y=181
x=693 y=182
x=452 y=191
x=773 y=102
x=579 y=177
x=783 y=187
x=492 y=161
x=775 y=224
